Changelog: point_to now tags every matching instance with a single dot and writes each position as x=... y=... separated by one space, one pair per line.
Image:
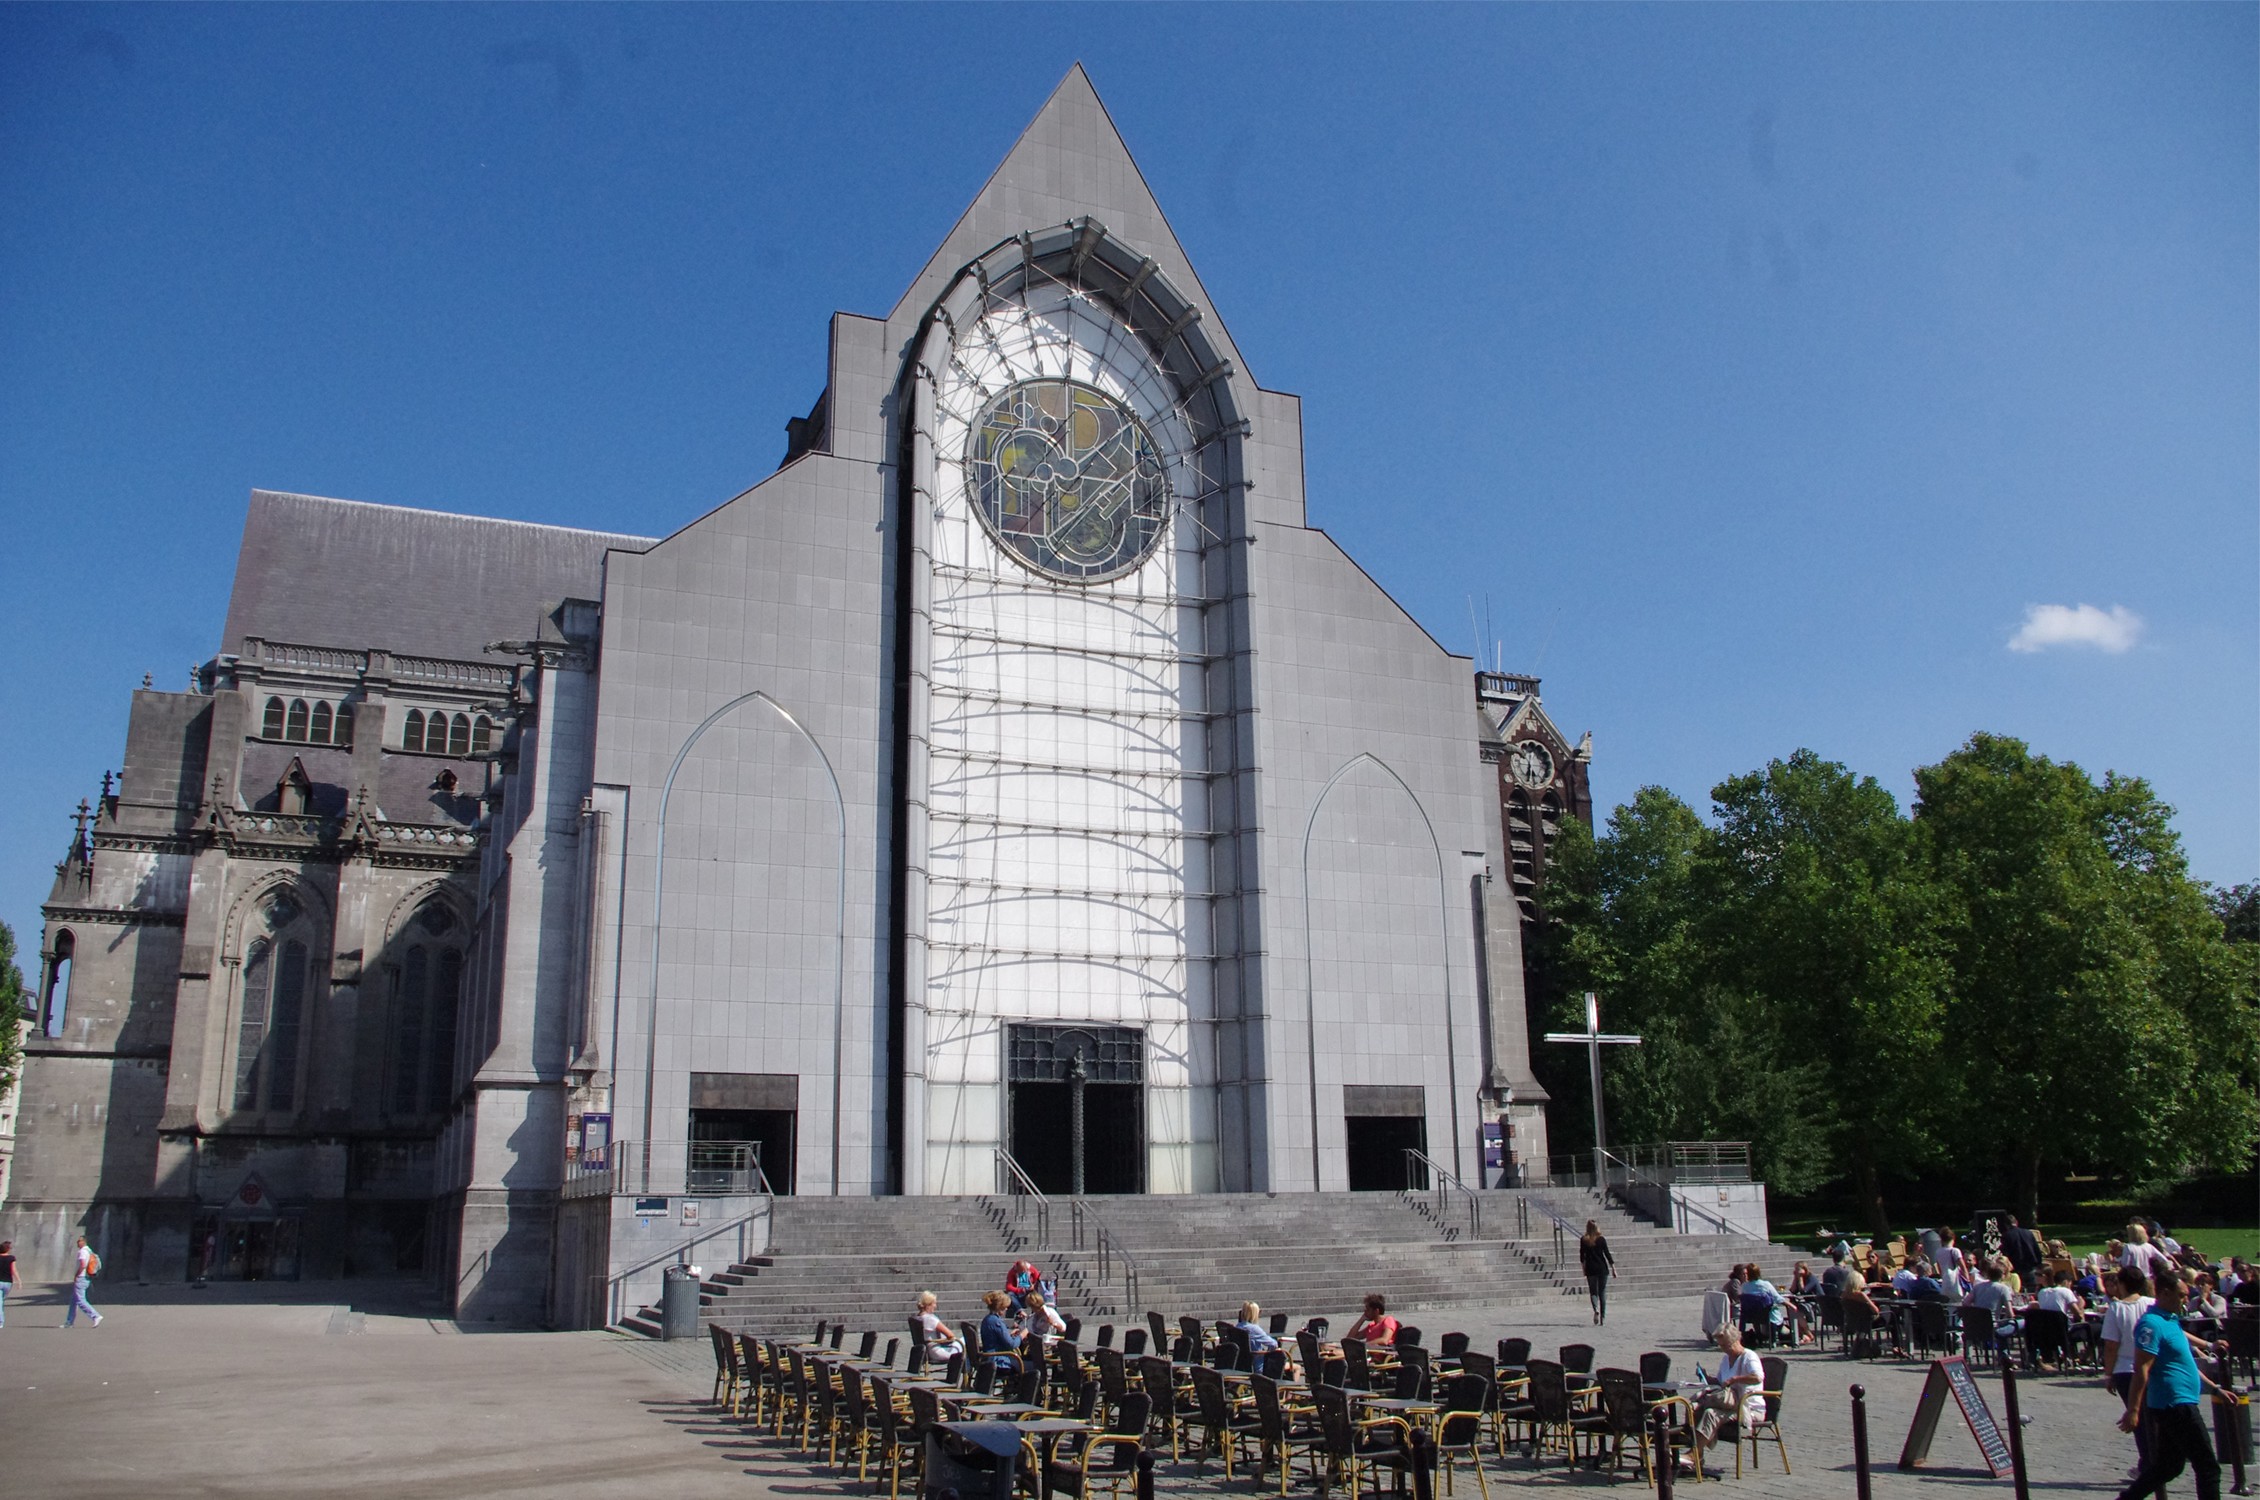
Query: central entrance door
x=1078 y=1106
x=1383 y=1125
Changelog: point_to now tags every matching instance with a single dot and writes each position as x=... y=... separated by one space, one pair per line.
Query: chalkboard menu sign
x=1951 y=1377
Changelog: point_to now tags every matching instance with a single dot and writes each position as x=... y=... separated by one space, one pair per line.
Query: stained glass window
x=1067 y=479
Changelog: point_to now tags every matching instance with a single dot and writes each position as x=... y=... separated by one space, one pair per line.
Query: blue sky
x=1758 y=370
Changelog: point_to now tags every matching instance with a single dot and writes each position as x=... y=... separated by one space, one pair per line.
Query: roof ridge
x=454 y=515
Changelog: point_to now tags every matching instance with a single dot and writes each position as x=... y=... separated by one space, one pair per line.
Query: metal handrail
x=1014 y=1184
x=1109 y=1248
x=1564 y=1230
x=626 y=1167
x=1444 y=1182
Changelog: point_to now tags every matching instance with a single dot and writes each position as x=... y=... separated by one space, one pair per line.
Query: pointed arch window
x=322 y=720
x=57 y=999
x=271 y=725
x=251 y=1028
x=459 y=735
x=341 y=728
x=482 y=735
x=296 y=730
x=412 y=733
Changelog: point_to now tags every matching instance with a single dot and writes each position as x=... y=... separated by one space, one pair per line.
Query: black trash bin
x=678 y=1304
x=972 y=1460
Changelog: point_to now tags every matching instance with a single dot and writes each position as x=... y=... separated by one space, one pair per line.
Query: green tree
x=1822 y=912
x=11 y=1010
x=2098 y=1012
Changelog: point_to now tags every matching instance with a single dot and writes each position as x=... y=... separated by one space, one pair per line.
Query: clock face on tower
x=1533 y=768
x=1067 y=480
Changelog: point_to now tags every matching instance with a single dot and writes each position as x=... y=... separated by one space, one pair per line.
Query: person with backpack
x=89 y=1267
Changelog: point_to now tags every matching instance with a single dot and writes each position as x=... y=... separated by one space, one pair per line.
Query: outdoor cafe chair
x=1407 y=1335
x=895 y=1441
x=1550 y=1412
x=1931 y=1328
x=866 y=1344
x=1159 y=1327
x=1278 y=1325
x=2048 y=1337
x=1106 y=1336
x=1074 y=1333
x=818 y=1336
x=917 y=1364
x=854 y=1423
x=1414 y=1378
x=1196 y=1342
x=1860 y=1331
x=1114 y=1380
x=1107 y=1460
x=1355 y=1449
x=1452 y=1346
x=1357 y=1372
x=727 y=1376
x=1170 y=1406
x=1768 y=1427
x=1459 y=1428
x=1285 y=1431
x=1655 y=1375
x=1624 y=1418
x=839 y=1331
x=1133 y=1343
x=1577 y=1365
x=1227 y=1431
x=1981 y=1336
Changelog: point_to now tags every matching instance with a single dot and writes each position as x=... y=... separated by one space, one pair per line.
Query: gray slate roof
x=415 y=582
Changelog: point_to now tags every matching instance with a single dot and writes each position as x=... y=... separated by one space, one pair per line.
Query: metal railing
x=681 y=1169
x=1564 y=1232
x=1442 y=1183
x=1016 y=1187
x=1114 y=1260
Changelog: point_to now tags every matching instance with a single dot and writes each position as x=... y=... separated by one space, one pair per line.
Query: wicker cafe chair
x=727 y=1376
x=1451 y=1348
x=1408 y=1336
x=1769 y=1426
x=855 y=1423
x=839 y=1331
x=1285 y=1432
x=1354 y=1449
x=1133 y=1343
x=1159 y=1380
x=1158 y=1325
x=1624 y=1417
x=760 y=1384
x=1357 y=1368
x=917 y=1365
x=1414 y=1378
x=799 y=1406
x=2048 y=1337
x=1459 y=1428
x=896 y=1441
x=1278 y=1325
x=818 y=1336
x=1114 y=1380
x=1549 y=1401
x=1227 y=1431
x=1107 y=1460
x=1655 y=1375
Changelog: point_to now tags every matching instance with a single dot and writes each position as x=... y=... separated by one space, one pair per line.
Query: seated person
x=1259 y=1337
x=1375 y=1325
x=2060 y=1297
x=1041 y=1319
x=941 y=1344
x=1020 y=1280
x=2205 y=1299
x=1991 y=1294
x=1802 y=1281
x=2247 y=1292
x=1730 y=1393
x=1000 y=1341
x=1903 y=1280
x=1833 y=1279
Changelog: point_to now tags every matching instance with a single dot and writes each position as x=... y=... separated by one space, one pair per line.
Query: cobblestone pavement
x=355 y=1389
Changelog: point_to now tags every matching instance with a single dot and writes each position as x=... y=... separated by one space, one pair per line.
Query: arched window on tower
x=341 y=728
x=272 y=724
x=271 y=1012
x=56 y=999
x=297 y=725
x=459 y=736
x=412 y=733
x=482 y=735
x=427 y=992
x=322 y=719
x=251 y=1026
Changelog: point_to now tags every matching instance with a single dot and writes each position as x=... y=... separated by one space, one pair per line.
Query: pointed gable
x=1070 y=162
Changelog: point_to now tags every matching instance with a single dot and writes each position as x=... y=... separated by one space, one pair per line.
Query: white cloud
x=2114 y=630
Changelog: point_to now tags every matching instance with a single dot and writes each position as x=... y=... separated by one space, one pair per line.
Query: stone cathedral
x=1011 y=784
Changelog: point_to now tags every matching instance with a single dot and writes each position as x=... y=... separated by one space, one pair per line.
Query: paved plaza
x=355 y=1388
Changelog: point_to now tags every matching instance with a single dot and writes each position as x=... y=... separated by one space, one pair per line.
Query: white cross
x=1593 y=1039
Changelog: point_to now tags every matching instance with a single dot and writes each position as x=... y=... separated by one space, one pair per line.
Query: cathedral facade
x=1012 y=786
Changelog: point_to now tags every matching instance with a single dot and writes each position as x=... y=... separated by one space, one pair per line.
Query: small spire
x=108 y=783
x=148 y=679
x=78 y=841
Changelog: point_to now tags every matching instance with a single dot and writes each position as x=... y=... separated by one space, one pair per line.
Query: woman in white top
x=1732 y=1393
x=941 y=1344
x=1043 y=1319
x=2128 y=1304
x=2142 y=1255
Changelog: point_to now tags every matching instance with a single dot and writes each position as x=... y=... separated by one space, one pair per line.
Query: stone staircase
x=1305 y=1254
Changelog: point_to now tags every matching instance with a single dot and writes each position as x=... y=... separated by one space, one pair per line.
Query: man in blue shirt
x=2168 y=1387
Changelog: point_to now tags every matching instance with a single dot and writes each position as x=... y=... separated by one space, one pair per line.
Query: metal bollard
x=1861 y=1483
x=1665 y=1462
x=2016 y=1428
x=1423 y=1464
x=1145 y=1474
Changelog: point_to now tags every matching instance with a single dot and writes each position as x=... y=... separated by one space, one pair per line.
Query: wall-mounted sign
x=690 y=1210
x=651 y=1205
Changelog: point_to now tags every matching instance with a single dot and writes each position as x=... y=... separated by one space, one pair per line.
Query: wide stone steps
x=1304 y=1254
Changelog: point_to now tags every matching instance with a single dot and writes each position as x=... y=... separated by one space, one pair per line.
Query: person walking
x=9 y=1278
x=1600 y=1264
x=2128 y=1306
x=2168 y=1387
x=89 y=1267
